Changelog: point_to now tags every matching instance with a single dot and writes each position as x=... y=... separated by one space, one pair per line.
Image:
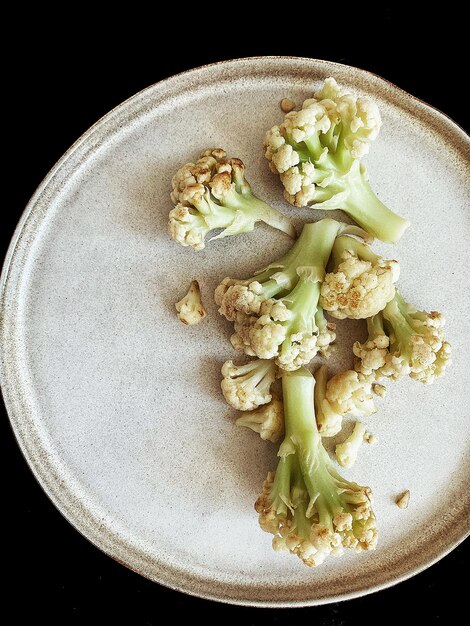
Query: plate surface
x=117 y=406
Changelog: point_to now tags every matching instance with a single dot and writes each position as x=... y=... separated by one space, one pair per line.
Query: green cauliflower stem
x=214 y=193
x=317 y=151
x=404 y=342
x=311 y=510
x=361 y=282
x=276 y=313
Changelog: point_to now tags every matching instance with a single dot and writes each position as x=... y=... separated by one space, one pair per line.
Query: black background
x=59 y=81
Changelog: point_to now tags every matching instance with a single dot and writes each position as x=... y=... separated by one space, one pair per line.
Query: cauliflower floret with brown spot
x=328 y=136
x=350 y=393
x=346 y=393
x=190 y=309
x=246 y=387
x=276 y=313
x=416 y=344
x=361 y=283
x=214 y=193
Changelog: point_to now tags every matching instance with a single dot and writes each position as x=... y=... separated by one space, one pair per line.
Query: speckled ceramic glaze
x=116 y=405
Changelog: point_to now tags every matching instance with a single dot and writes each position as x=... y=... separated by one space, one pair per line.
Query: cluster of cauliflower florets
x=279 y=315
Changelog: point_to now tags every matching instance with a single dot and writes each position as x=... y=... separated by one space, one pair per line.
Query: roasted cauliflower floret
x=361 y=283
x=316 y=152
x=311 y=510
x=267 y=421
x=214 y=193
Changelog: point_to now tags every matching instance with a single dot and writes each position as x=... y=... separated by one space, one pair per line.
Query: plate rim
x=61 y=506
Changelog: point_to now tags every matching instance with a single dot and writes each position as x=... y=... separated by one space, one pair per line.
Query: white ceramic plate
x=116 y=405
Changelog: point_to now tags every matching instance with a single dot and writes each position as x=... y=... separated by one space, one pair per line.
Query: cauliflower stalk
x=246 y=387
x=361 y=283
x=213 y=193
x=347 y=451
x=277 y=313
x=317 y=152
x=311 y=510
x=267 y=421
x=190 y=309
x=413 y=344
x=346 y=393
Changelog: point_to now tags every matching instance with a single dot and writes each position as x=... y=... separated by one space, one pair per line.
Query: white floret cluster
x=278 y=316
x=332 y=115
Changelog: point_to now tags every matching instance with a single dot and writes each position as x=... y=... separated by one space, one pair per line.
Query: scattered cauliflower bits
x=316 y=152
x=361 y=284
x=190 y=308
x=379 y=390
x=213 y=193
x=404 y=342
x=311 y=510
x=370 y=438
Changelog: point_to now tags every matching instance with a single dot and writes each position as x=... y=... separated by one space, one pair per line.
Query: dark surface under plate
x=65 y=83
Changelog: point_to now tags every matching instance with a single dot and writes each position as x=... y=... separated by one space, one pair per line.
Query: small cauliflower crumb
x=246 y=387
x=190 y=308
x=403 y=500
x=287 y=105
x=370 y=438
x=379 y=390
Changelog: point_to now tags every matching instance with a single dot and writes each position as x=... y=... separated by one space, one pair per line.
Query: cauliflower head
x=213 y=193
x=361 y=284
x=316 y=152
